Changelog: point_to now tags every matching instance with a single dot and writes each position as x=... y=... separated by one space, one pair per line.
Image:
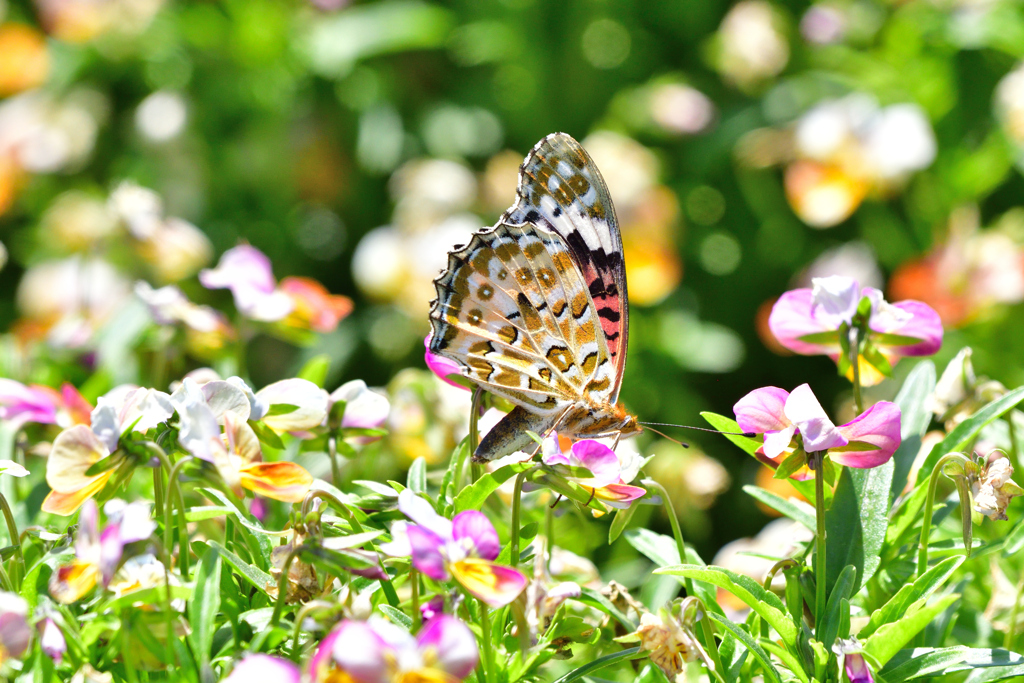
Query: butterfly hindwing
x=561 y=190
x=515 y=311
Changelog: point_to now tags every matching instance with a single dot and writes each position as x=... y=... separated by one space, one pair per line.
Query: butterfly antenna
x=666 y=436
x=749 y=435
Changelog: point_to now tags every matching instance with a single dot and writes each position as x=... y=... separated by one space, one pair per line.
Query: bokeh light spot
x=606 y=43
x=720 y=253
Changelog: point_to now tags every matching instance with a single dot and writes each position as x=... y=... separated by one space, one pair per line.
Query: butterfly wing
x=561 y=190
x=514 y=311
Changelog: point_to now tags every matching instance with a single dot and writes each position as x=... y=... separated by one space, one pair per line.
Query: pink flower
x=792 y=421
x=810 y=322
x=247 y=272
x=441 y=366
x=314 y=307
x=606 y=470
x=463 y=548
x=377 y=651
x=264 y=668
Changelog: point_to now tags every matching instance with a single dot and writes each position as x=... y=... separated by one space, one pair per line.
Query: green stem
x=485 y=643
x=1011 y=631
x=855 y=361
x=12 y=528
x=517 y=496
x=474 y=430
x=414 y=579
x=711 y=645
x=127 y=654
x=1014 y=453
x=549 y=532
x=929 y=503
x=172 y=481
x=819 y=539
x=5 y=580
x=332 y=453
x=158 y=490
x=677 y=531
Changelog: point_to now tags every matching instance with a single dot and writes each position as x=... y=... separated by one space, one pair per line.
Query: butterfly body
x=534 y=308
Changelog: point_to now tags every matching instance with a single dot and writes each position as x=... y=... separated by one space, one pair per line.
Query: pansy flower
x=790 y=422
x=364 y=408
x=813 y=321
x=264 y=668
x=44 y=405
x=51 y=639
x=15 y=633
x=602 y=471
x=236 y=454
x=98 y=553
x=314 y=308
x=247 y=272
x=463 y=548
x=77 y=449
x=377 y=651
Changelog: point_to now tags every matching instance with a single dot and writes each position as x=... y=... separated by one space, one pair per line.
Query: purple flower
x=247 y=272
x=15 y=633
x=264 y=668
x=377 y=651
x=792 y=421
x=464 y=548
x=364 y=408
x=810 y=322
x=27 y=404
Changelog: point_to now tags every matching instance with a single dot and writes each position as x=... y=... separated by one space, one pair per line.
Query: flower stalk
x=929 y=503
x=816 y=462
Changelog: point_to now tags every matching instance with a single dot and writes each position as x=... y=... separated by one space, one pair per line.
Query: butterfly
x=535 y=310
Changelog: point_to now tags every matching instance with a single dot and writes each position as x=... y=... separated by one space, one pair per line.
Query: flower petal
x=422 y=512
x=398 y=546
x=792 y=318
x=922 y=323
x=442 y=367
x=309 y=399
x=619 y=495
x=224 y=396
x=475 y=526
x=599 y=459
x=66 y=503
x=265 y=669
x=879 y=426
x=360 y=652
x=74 y=451
x=452 y=643
x=776 y=443
x=363 y=408
x=284 y=481
x=495 y=584
x=72 y=581
x=834 y=299
x=762 y=410
x=818 y=432
x=426 y=552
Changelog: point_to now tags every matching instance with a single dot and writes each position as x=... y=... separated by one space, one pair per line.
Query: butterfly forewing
x=514 y=310
x=561 y=190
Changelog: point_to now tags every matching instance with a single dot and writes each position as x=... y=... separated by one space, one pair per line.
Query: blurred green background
x=748 y=146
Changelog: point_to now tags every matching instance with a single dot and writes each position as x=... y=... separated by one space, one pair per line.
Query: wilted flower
x=795 y=422
x=376 y=651
x=464 y=548
x=992 y=489
x=608 y=477
x=15 y=633
x=98 y=554
x=264 y=668
x=671 y=643
x=819 y=321
x=959 y=393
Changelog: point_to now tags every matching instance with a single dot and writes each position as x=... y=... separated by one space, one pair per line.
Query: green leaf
x=600 y=663
x=831 y=337
x=201 y=512
x=890 y=638
x=741 y=634
x=105 y=464
x=876 y=358
x=203 y=608
x=856 y=523
x=315 y=370
x=967 y=430
x=724 y=424
x=784 y=505
x=915 y=416
x=417 y=477
x=1014 y=540
x=963 y=489
x=889 y=339
x=791 y=465
x=266 y=435
x=594 y=599
x=154 y=595
x=841 y=593
x=915 y=663
x=351 y=541
x=396 y=616
x=909 y=594
x=619 y=522
x=473 y=497
x=258 y=578
x=767 y=604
